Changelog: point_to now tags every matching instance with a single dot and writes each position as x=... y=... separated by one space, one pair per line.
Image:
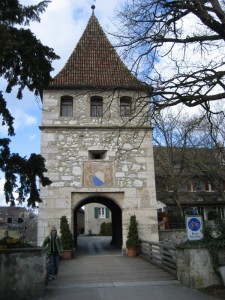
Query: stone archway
x=116 y=216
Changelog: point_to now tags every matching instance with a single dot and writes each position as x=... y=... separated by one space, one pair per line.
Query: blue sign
x=194 y=224
x=194 y=227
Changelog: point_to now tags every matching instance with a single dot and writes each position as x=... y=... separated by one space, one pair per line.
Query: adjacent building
x=190 y=181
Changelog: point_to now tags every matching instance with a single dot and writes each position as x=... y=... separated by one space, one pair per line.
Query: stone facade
x=172 y=237
x=97 y=157
x=67 y=144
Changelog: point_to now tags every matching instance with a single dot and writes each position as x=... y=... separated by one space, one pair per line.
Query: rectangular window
x=66 y=109
x=96 y=108
x=125 y=107
x=199 y=185
x=97 y=154
x=101 y=212
x=217 y=184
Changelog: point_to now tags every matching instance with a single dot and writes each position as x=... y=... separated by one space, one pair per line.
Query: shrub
x=106 y=229
x=66 y=235
x=132 y=237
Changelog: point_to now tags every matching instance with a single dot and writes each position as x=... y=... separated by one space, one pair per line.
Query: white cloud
x=63 y=23
x=23 y=119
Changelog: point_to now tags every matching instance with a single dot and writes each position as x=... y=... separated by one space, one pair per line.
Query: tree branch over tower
x=178 y=47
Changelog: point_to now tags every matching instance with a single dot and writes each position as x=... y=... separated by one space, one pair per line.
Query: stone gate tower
x=96 y=139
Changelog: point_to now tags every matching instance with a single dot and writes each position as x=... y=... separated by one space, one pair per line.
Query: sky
x=61 y=27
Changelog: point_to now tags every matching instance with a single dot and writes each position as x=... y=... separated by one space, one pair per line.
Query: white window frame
x=101 y=213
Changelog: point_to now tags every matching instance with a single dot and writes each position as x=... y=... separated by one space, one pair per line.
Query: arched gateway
x=96 y=145
x=112 y=204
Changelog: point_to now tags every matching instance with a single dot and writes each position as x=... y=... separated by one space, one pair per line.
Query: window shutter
x=107 y=212
x=96 y=212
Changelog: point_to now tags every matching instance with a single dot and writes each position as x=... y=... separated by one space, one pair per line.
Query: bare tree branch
x=185 y=36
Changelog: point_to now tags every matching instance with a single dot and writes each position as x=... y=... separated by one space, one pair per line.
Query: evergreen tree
x=66 y=234
x=24 y=63
x=132 y=237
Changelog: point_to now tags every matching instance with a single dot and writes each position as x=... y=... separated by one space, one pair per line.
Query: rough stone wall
x=23 y=273
x=67 y=143
x=195 y=268
x=172 y=237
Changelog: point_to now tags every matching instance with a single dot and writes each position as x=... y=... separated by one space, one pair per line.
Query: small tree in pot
x=67 y=238
x=132 y=242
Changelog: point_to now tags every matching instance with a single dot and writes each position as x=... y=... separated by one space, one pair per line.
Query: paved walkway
x=111 y=276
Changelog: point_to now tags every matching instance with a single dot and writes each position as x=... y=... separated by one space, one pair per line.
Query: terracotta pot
x=67 y=254
x=131 y=252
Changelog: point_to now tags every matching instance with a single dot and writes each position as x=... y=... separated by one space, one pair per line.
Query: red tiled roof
x=94 y=63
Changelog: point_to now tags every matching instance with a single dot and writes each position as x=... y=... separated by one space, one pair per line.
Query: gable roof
x=94 y=63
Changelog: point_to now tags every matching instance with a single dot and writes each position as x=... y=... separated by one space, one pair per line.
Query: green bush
x=102 y=229
x=132 y=237
x=106 y=229
x=66 y=235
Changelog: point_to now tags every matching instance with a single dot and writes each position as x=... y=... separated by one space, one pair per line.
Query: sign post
x=194 y=227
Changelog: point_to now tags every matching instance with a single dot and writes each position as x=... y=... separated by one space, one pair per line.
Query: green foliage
x=66 y=235
x=132 y=237
x=214 y=239
x=24 y=63
x=106 y=229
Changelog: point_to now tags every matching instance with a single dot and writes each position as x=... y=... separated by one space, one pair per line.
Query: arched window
x=96 y=106
x=66 y=106
x=125 y=106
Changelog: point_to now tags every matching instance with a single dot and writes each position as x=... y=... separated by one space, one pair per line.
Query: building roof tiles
x=94 y=63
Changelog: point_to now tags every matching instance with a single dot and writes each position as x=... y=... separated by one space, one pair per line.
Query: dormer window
x=66 y=106
x=96 y=106
x=125 y=106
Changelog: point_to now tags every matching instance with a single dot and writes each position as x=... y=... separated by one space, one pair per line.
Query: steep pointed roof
x=94 y=63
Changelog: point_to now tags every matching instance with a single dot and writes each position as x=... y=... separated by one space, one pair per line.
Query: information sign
x=194 y=227
x=15 y=223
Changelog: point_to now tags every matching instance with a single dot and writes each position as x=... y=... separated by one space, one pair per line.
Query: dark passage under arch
x=116 y=217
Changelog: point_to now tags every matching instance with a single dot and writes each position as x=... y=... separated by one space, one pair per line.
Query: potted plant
x=132 y=242
x=67 y=238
